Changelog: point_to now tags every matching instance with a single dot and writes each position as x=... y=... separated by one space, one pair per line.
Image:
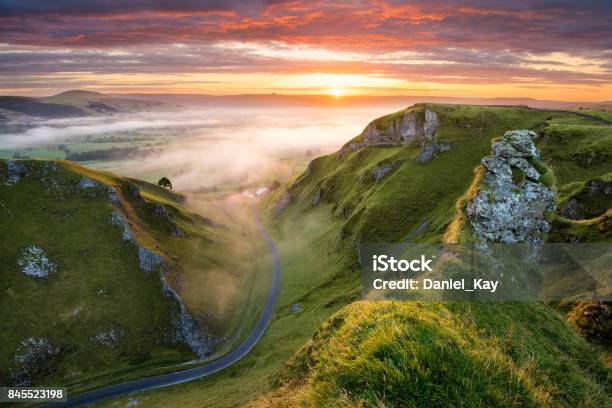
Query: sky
x=543 y=49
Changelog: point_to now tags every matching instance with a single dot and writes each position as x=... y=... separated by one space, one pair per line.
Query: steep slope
x=408 y=354
x=430 y=354
x=92 y=269
x=382 y=192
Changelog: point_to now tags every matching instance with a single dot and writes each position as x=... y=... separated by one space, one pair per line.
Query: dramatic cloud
x=438 y=42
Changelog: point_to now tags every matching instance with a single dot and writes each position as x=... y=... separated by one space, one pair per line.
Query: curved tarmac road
x=178 y=377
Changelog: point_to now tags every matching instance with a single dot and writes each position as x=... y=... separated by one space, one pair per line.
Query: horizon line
x=323 y=95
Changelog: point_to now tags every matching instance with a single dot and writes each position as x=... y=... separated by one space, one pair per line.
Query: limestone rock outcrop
x=408 y=127
x=34 y=262
x=512 y=203
x=412 y=125
x=33 y=357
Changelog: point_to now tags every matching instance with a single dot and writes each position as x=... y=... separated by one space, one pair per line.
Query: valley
x=408 y=177
x=330 y=204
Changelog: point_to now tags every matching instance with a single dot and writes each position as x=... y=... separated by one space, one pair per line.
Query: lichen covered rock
x=591 y=201
x=187 y=328
x=512 y=204
x=15 y=171
x=116 y=218
x=33 y=261
x=32 y=357
x=381 y=171
x=148 y=260
x=86 y=182
x=413 y=125
x=108 y=337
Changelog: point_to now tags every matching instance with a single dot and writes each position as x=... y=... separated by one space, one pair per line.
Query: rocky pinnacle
x=511 y=204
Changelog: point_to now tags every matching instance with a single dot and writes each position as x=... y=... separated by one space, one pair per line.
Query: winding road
x=207 y=369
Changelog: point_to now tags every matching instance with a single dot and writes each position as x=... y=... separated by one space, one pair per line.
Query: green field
x=370 y=353
x=97 y=285
x=318 y=351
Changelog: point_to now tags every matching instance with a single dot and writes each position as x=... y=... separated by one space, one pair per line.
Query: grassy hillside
x=411 y=354
x=97 y=103
x=337 y=203
x=69 y=104
x=102 y=314
x=15 y=105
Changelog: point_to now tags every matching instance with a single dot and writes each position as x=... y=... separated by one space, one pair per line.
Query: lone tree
x=165 y=183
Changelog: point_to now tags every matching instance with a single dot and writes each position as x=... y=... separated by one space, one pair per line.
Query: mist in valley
x=201 y=149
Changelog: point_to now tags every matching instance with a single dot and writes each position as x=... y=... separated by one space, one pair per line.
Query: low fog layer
x=212 y=146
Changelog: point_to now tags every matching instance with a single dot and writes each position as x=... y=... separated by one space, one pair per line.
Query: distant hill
x=262 y=100
x=71 y=104
x=82 y=103
x=99 y=103
x=34 y=107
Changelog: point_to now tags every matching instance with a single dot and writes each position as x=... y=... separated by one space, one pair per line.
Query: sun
x=336 y=92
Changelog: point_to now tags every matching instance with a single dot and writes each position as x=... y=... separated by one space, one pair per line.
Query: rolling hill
x=98 y=103
x=105 y=277
x=399 y=181
x=70 y=104
x=408 y=177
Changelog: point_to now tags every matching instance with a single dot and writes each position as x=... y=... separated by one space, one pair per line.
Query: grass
x=518 y=175
x=589 y=204
x=522 y=354
x=388 y=212
x=73 y=229
x=443 y=354
x=319 y=295
x=65 y=307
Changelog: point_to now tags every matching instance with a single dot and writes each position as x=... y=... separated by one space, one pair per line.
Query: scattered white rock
x=160 y=210
x=33 y=261
x=177 y=231
x=16 y=170
x=31 y=358
x=109 y=337
x=381 y=171
x=88 y=183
